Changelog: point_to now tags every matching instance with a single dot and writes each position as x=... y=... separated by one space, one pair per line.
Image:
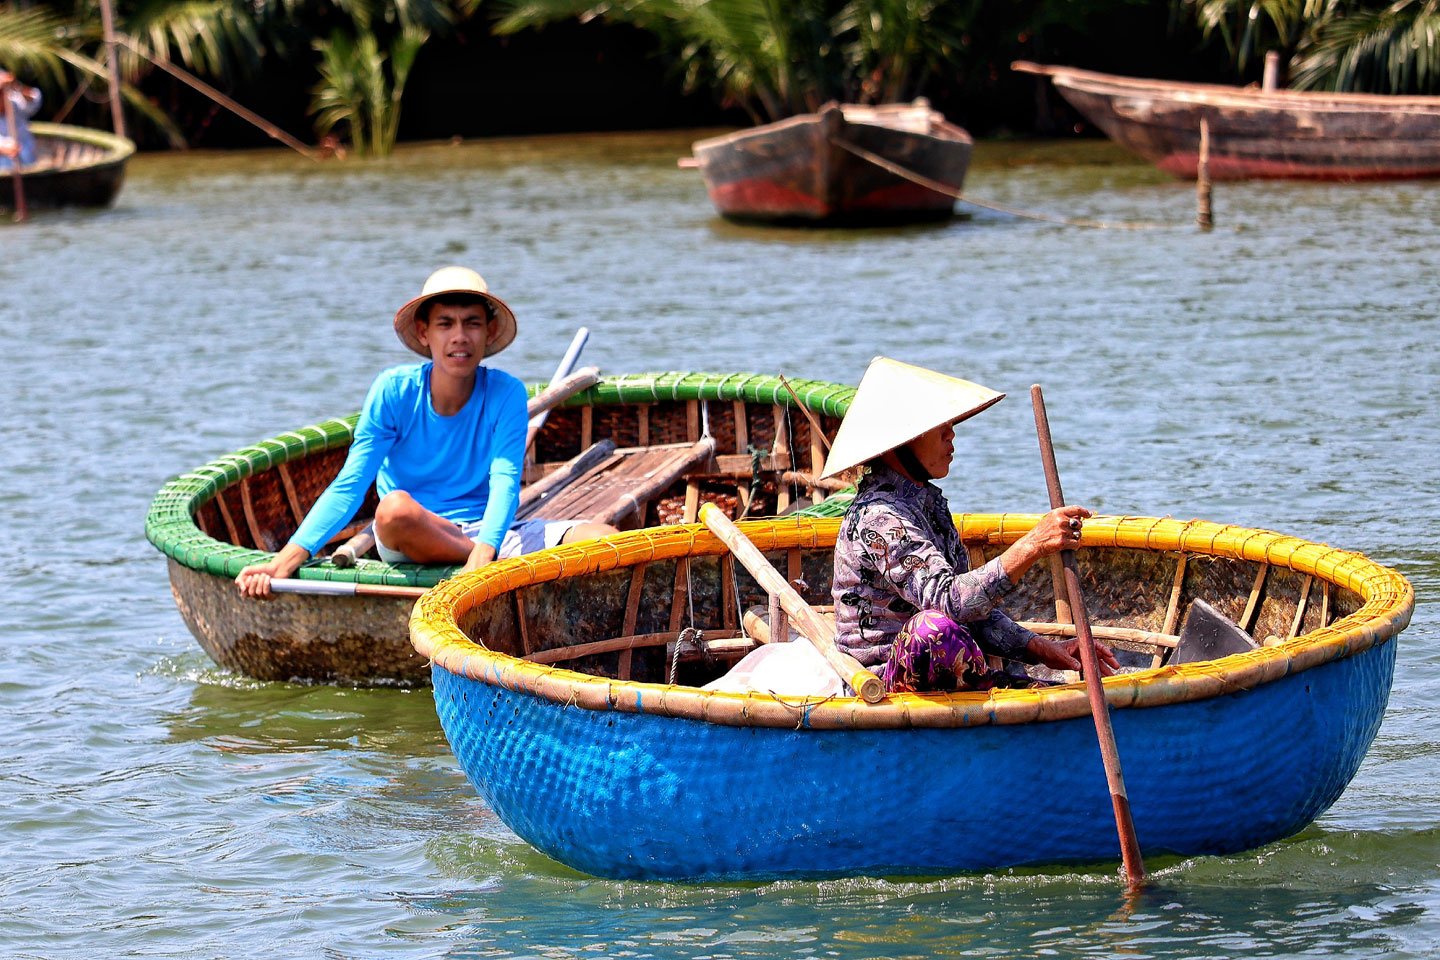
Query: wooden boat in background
x=1257 y=134
x=74 y=167
x=647 y=449
x=551 y=680
x=814 y=169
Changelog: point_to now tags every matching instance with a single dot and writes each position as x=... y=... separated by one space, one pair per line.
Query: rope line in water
x=949 y=191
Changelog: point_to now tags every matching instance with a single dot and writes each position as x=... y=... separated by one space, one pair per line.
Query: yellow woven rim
x=1388 y=602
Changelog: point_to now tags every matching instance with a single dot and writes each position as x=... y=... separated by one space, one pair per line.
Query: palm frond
x=1392 y=50
x=32 y=44
x=219 y=38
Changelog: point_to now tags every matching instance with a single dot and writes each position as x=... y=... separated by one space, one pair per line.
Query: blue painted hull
x=620 y=794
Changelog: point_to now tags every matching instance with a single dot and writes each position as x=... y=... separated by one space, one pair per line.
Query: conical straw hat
x=897 y=402
x=456 y=280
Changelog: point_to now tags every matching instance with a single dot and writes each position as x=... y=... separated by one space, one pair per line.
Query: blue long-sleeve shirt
x=464 y=467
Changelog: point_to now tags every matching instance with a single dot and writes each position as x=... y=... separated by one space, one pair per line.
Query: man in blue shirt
x=443 y=442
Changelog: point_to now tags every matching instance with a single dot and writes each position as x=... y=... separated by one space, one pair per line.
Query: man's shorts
x=527 y=536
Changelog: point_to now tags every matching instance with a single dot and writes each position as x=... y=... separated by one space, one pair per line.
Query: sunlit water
x=1278 y=372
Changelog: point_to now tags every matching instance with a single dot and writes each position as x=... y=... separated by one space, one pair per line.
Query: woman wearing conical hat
x=907 y=604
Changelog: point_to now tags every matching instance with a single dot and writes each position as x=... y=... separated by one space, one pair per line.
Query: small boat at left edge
x=74 y=167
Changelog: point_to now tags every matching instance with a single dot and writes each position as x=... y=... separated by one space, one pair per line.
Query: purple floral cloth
x=898 y=553
x=933 y=652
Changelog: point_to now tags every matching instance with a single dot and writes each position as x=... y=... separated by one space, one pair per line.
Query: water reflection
x=240 y=715
x=1279 y=373
x=1250 y=912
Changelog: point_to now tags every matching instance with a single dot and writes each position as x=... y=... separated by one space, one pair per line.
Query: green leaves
x=360 y=87
x=1339 y=45
x=776 y=58
x=1395 y=49
x=33 y=43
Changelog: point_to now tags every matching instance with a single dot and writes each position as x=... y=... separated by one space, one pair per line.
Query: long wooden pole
x=21 y=213
x=810 y=624
x=250 y=116
x=1099 y=709
x=107 y=23
x=335 y=588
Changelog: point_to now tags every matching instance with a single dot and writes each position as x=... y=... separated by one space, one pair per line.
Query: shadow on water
x=1241 y=906
x=240 y=715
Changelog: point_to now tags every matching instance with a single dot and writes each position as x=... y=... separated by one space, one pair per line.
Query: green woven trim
x=821 y=397
x=170 y=522
x=120 y=148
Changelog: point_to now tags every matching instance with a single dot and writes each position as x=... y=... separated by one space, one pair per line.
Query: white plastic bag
x=793 y=669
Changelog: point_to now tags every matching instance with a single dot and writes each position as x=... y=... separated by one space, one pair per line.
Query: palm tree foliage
x=57 y=52
x=1392 y=46
x=360 y=86
x=1394 y=49
x=775 y=58
x=58 y=43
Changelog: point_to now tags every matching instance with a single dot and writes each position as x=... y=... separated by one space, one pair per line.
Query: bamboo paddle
x=809 y=623
x=1099 y=709
x=21 y=213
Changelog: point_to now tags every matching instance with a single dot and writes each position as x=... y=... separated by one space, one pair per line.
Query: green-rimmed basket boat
x=239 y=509
x=74 y=167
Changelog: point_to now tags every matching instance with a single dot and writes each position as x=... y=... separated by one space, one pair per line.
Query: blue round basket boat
x=552 y=678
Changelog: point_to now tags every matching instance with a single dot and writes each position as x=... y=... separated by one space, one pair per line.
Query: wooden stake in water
x=1202 y=179
x=1099 y=709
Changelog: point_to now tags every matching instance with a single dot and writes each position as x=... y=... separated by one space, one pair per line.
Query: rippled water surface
x=1278 y=372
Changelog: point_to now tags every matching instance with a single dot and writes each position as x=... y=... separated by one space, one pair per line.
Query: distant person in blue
x=443 y=441
x=18 y=144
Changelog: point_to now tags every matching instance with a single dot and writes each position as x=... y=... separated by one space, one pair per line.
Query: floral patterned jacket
x=898 y=553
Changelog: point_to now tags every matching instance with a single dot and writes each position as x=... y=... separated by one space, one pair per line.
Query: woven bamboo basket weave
x=237 y=510
x=586 y=730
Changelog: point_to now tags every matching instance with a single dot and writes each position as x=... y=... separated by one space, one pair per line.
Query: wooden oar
x=810 y=624
x=332 y=588
x=19 y=179
x=1099 y=709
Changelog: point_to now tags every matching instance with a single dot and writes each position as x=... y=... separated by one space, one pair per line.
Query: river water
x=1277 y=372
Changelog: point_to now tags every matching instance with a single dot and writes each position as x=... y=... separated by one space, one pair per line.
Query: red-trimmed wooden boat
x=569 y=684
x=839 y=166
x=1258 y=134
x=74 y=167
x=237 y=510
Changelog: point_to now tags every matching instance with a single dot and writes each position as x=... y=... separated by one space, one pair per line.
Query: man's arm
x=506 y=461
x=374 y=436
x=254 y=580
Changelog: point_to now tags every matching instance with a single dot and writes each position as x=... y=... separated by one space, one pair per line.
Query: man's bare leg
x=405 y=526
